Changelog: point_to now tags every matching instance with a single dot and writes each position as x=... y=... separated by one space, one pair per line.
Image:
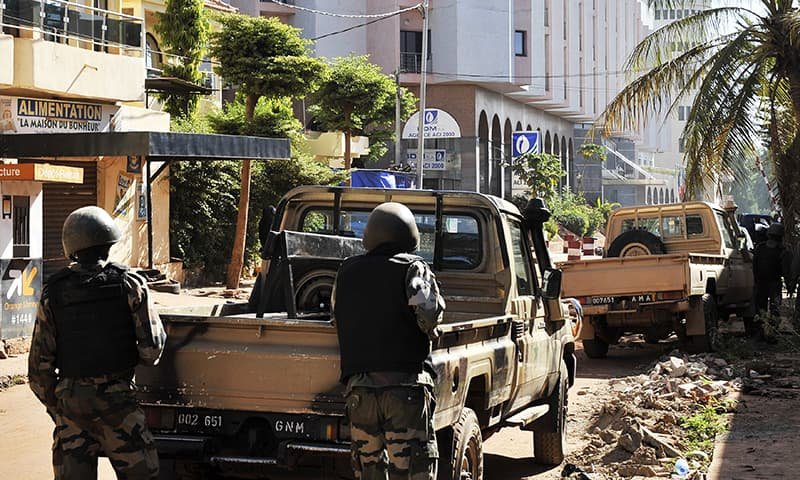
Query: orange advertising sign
x=41 y=172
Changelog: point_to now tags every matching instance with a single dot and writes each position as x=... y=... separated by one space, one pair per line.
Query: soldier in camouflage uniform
x=95 y=323
x=387 y=306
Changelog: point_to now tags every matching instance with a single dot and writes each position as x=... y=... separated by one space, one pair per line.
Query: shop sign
x=42 y=115
x=41 y=172
x=21 y=288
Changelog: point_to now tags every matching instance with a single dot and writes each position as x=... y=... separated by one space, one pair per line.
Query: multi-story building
x=660 y=149
x=496 y=67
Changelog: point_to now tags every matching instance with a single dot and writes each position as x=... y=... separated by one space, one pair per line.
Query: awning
x=151 y=146
x=174 y=85
x=160 y=146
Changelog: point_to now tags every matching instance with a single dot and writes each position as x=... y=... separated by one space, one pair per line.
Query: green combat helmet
x=88 y=227
x=393 y=223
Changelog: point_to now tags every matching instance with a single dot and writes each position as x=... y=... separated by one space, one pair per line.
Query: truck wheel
x=595 y=348
x=709 y=341
x=550 y=441
x=461 y=449
x=634 y=243
x=314 y=291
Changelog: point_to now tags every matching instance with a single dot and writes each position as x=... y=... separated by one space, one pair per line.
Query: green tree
x=357 y=97
x=203 y=194
x=183 y=28
x=742 y=66
x=264 y=58
x=540 y=172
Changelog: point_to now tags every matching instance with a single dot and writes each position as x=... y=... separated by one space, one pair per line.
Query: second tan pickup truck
x=668 y=268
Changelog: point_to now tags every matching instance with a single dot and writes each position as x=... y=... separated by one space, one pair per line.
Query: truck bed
x=632 y=275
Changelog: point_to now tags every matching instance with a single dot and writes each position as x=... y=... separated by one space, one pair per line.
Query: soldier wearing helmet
x=771 y=264
x=386 y=306
x=95 y=323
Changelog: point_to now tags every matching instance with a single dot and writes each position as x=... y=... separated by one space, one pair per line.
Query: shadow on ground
x=499 y=467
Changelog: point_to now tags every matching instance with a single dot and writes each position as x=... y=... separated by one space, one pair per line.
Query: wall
x=34 y=191
x=132 y=250
x=7 y=65
x=80 y=72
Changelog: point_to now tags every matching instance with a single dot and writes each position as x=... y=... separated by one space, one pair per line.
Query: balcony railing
x=410 y=62
x=67 y=22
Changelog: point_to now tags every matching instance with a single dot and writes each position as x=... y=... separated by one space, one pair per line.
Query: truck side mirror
x=551 y=284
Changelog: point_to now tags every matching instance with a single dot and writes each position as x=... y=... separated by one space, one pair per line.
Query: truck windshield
x=461 y=235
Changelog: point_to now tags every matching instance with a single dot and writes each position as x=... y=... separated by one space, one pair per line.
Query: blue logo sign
x=431 y=116
x=523 y=143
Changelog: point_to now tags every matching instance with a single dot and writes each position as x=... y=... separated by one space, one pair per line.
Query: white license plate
x=609 y=300
x=198 y=422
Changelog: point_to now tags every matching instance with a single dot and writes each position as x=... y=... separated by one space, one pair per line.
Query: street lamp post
x=422 y=75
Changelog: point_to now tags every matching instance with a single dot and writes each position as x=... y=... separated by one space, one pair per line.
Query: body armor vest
x=377 y=329
x=95 y=334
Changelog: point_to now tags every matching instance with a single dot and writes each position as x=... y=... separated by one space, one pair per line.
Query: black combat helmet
x=391 y=223
x=88 y=227
x=775 y=230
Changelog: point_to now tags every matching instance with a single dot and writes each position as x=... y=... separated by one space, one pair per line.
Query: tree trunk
x=788 y=171
x=237 y=256
x=348 y=135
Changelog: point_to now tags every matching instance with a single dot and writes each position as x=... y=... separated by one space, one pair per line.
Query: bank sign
x=434 y=159
x=436 y=124
x=41 y=115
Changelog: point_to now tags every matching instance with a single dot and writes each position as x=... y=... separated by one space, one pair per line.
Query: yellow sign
x=41 y=172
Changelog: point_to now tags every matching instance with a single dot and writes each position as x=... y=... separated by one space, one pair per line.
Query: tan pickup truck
x=668 y=268
x=251 y=390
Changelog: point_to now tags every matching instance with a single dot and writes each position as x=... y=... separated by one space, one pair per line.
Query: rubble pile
x=636 y=432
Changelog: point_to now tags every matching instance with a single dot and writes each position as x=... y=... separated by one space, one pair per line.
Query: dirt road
x=757 y=446
x=27 y=431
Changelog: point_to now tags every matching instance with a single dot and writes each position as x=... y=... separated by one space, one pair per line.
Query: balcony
x=410 y=62
x=62 y=47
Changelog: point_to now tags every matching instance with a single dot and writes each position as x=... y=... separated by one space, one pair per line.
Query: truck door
x=530 y=330
x=738 y=274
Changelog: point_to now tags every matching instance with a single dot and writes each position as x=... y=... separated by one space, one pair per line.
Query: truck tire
x=634 y=243
x=461 y=449
x=550 y=441
x=595 y=348
x=709 y=341
x=314 y=291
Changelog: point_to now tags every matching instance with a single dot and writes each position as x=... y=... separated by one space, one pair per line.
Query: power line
x=354 y=27
x=344 y=15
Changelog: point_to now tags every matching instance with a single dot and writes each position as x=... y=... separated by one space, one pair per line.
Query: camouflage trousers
x=391 y=432
x=104 y=419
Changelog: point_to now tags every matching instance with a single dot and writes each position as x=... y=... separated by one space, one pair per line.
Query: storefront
x=127 y=175
x=21 y=239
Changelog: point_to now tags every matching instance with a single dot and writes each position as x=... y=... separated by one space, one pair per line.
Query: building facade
x=76 y=67
x=496 y=67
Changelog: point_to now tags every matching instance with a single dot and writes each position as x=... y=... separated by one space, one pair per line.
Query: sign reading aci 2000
x=436 y=124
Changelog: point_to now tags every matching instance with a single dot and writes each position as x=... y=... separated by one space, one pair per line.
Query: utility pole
x=422 y=75
x=398 y=130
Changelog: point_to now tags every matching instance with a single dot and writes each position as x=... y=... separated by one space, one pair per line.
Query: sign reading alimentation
x=41 y=115
x=436 y=124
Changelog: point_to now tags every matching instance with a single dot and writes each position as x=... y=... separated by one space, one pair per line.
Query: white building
x=496 y=67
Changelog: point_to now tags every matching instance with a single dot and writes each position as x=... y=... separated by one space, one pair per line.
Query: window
x=726 y=234
x=694 y=225
x=672 y=226
x=649 y=225
x=680 y=14
x=683 y=113
x=461 y=235
x=21 y=226
x=681 y=145
x=520 y=49
x=658 y=14
x=411 y=51
x=522 y=263
x=628 y=224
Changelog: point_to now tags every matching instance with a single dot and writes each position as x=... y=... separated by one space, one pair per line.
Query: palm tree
x=742 y=66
